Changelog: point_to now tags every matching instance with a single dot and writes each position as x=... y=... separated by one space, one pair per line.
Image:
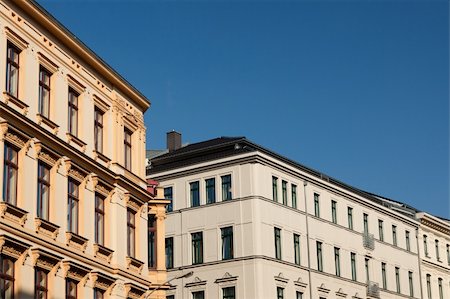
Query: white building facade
x=253 y=224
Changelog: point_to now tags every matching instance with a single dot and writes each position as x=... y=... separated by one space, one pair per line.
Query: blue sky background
x=356 y=89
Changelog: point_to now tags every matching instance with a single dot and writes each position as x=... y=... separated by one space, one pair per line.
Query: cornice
x=430 y=222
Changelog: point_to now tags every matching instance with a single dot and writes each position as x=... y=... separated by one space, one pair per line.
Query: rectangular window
x=411 y=284
x=316 y=205
x=229 y=293
x=380 y=230
x=98 y=294
x=226 y=187
x=71 y=289
x=275 y=189
x=72 y=205
x=6 y=277
x=284 y=192
x=277 y=237
x=169 y=253
x=227 y=243
x=397 y=278
x=394 y=235
x=131 y=232
x=170 y=297
x=73 y=112
x=337 y=261
x=441 y=291
x=436 y=246
x=168 y=194
x=195 y=194
x=12 y=70
x=299 y=295
x=448 y=254
x=408 y=244
x=294 y=195
x=297 y=249
x=425 y=246
x=151 y=224
x=280 y=293
x=353 y=265
x=40 y=284
x=197 y=248
x=319 y=256
x=383 y=276
x=366 y=266
x=10 y=172
x=366 y=223
x=429 y=286
x=350 y=217
x=211 y=190
x=44 y=92
x=333 y=211
x=43 y=191
x=99 y=219
x=98 y=130
x=127 y=148
x=198 y=295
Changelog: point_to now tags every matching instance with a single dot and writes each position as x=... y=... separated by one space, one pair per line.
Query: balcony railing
x=368 y=241
x=373 y=290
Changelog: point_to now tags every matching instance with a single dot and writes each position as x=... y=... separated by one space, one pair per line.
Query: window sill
x=14 y=100
x=134 y=264
x=11 y=212
x=103 y=252
x=49 y=125
x=46 y=228
x=76 y=241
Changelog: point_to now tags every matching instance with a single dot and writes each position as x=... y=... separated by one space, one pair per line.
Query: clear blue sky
x=356 y=89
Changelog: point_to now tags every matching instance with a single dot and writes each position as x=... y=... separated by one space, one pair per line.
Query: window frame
x=152 y=229
x=10 y=167
x=131 y=233
x=169 y=195
x=197 y=248
x=337 y=261
x=227 y=233
x=128 y=149
x=411 y=283
x=169 y=252
x=72 y=102
x=334 y=211
x=353 y=266
x=227 y=193
x=68 y=284
x=394 y=235
x=350 y=217
x=38 y=287
x=317 y=205
x=280 y=293
x=284 y=192
x=275 y=188
x=43 y=198
x=319 y=256
x=294 y=195
x=195 y=200
x=99 y=213
x=407 y=240
x=277 y=239
x=381 y=230
x=229 y=296
x=297 y=249
x=10 y=63
x=99 y=115
x=44 y=110
x=7 y=277
x=210 y=190
x=73 y=199
x=383 y=276
x=397 y=280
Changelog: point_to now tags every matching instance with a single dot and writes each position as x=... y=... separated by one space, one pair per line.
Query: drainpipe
x=305 y=183
x=419 y=260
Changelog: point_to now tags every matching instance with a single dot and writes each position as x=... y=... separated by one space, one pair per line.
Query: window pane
x=229 y=293
x=227 y=243
x=210 y=190
x=226 y=187
x=195 y=195
x=294 y=196
x=168 y=194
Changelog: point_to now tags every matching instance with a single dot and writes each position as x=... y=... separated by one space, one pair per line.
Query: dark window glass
x=337 y=261
x=43 y=192
x=299 y=295
x=380 y=230
x=44 y=92
x=168 y=194
x=383 y=275
x=71 y=289
x=73 y=112
x=12 y=70
x=226 y=187
x=10 y=174
x=99 y=219
x=229 y=293
x=197 y=248
x=131 y=232
x=297 y=249
x=319 y=256
x=316 y=205
x=280 y=293
x=6 y=277
x=72 y=206
x=394 y=235
x=441 y=291
x=227 y=243
x=448 y=254
x=284 y=192
x=366 y=223
x=397 y=278
x=98 y=294
x=275 y=188
x=152 y=227
x=198 y=295
x=408 y=245
x=411 y=284
x=277 y=235
x=436 y=246
x=353 y=265
x=195 y=194
x=98 y=130
x=127 y=148
x=170 y=297
x=429 y=286
x=211 y=190
x=333 y=211
x=350 y=217
x=425 y=245
x=40 y=284
x=366 y=266
x=294 y=196
x=169 y=253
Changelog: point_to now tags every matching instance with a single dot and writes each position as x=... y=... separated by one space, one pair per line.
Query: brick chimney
x=173 y=141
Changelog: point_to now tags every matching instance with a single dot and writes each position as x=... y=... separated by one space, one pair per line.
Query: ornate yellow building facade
x=75 y=213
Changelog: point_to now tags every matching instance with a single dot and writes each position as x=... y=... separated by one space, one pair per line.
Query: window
x=275 y=189
x=226 y=187
x=43 y=192
x=131 y=232
x=337 y=261
x=408 y=244
x=127 y=148
x=350 y=217
x=229 y=293
x=71 y=289
x=280 y=293
x=425 y=246
x=169 y=253
x=195 y=194
x=448 y=254
x=284 y=192
x=383 y=275
x=353 y=265
x=99 y=219
x=40 y=284
x=436 y=246
x=6 y=277
x=168 y=194
x=227 y=243
x=73 y=112
x=366 y=266
x=319 y=256
x=299 y=295
x=316 y=205
x=170 y=297
x=198 y=295
x=397 y=278
x=277 y=236
x=380 y=230
x=98 y=294
x=10 y=168
x=366 y=223
x=297 y=249
x=72 y=206
x=211 y=190
x=411 y=284
x=394 y=235
x=441 y=293
x=151 y=241
x=98 y=130
x=294 y=196
x=429 y=286
x=44 y=92
x=333 y=211
x=197 y=248
x=12 y=70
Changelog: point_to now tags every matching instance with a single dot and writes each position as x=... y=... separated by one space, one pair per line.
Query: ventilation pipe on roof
x=173 y=141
